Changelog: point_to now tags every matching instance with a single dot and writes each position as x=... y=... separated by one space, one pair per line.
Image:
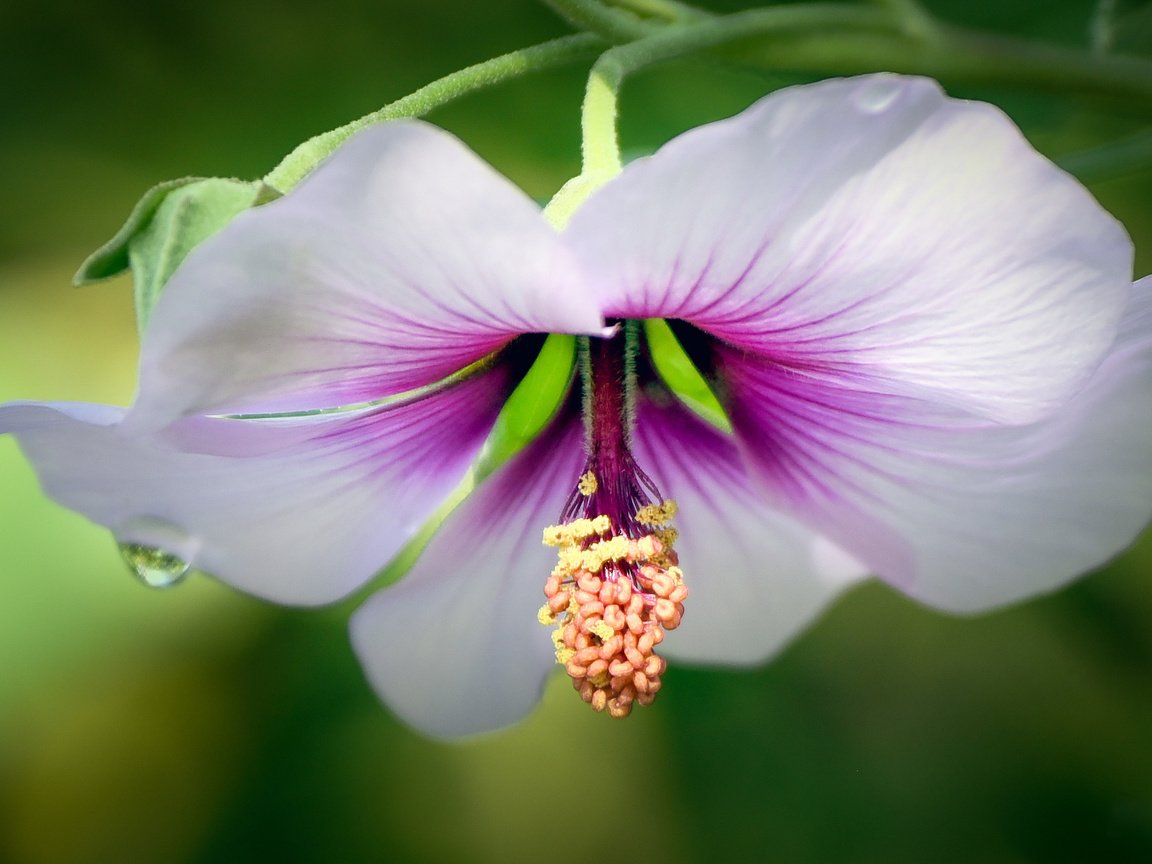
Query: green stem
x=600 y=148
x=668 y=10
x=895 y=36
x=600 y=143
x=986 y=58
x=913 y=17
x=958 y=55
x=608 y=22
x=617 y=63
x=1101 y=30
x=1120 y=159
x=558 y=52
x=839 y=38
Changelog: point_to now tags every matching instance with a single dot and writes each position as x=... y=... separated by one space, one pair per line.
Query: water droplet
x=878 y=94
x=153 y=566
x=158 y=553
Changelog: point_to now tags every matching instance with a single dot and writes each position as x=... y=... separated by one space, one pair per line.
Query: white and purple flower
x=925 y=336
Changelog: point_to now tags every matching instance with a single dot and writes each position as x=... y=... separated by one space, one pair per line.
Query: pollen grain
x=588 y=484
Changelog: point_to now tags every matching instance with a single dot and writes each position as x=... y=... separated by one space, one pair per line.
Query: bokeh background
x=199 y=725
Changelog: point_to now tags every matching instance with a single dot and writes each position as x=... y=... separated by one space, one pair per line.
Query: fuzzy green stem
x=558 y=52
x=893 y=35
x=839 y=38
x=1114 y=161
x=617 y=63
x=600 y=143
x=667 y=10
x=958 y=55
x=600 y=147
x=913 y=17
x=608 y=22
x=1101 y=30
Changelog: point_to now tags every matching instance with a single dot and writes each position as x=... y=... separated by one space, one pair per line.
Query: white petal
x=399 y=261
x=959 y=512
x=874 y=227
x=755 y=576
x=455 y=648
x=300 y=511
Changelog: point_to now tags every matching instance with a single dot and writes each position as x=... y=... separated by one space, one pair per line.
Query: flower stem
x=1102 y=29
x=608 y=22
x=837 y=38
x=894 y=36
x=1114 y=161
x=960 y=55
x=558 y=52
x=668 y=10
x=600 y=144
x=911 y=12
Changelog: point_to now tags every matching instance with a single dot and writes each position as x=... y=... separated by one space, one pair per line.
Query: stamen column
x=616 y=587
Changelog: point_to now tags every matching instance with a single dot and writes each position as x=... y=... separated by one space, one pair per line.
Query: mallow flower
x=933 y=363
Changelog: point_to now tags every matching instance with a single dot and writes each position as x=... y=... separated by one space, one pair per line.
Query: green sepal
x=185 y=218
x=111 y=259
x=532 y=404
x=165 y=225
x=680 y=374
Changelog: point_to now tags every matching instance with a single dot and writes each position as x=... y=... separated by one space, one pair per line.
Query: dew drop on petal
x=158 y=553
x=153 y=566
x=877 y=95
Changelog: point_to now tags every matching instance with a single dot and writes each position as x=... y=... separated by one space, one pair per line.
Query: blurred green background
x=199 y=725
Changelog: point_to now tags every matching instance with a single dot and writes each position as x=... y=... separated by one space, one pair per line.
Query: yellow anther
x=657 y=514
x=564 y=653
x=581 y=529
x=592 y=561
x=545 y=616
x=615 y=549
x=621 y=547
x=603 y=630
x=570 y=558
x=601 y=524
x=588 y=484
x=650 y=514
x=557 y=535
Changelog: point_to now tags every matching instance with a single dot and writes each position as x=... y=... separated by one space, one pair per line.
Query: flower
x=925 y=337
